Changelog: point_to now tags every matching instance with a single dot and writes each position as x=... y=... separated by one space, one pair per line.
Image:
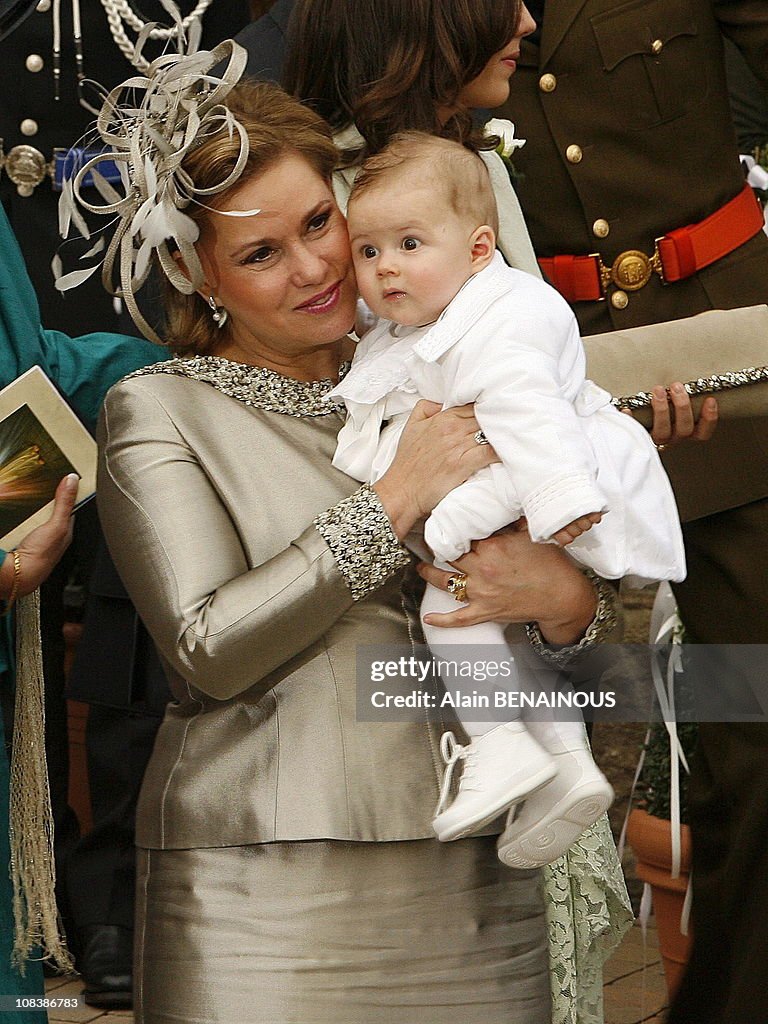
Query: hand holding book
x=47 y=468
x=41 y=549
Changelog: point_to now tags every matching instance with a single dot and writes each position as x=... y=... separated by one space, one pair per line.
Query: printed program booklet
x=41 y=441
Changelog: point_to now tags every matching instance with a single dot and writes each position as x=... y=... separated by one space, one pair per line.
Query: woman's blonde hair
x=277 y=125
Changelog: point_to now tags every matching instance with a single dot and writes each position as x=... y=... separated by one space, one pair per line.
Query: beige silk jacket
x=212 y=473
x=268 y=569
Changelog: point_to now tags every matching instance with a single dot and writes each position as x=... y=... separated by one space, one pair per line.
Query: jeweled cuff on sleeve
x=597 y=631
x=362 y=541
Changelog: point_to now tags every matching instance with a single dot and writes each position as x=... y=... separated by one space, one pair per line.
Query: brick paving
x=634 y=988
x=634 y=980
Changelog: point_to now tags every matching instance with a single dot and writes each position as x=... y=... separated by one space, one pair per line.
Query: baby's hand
x=575 y=529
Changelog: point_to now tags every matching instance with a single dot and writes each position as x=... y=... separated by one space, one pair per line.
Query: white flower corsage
x=756 y=174
x=506 y=133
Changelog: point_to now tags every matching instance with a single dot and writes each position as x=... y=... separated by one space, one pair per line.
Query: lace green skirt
x=588 y=911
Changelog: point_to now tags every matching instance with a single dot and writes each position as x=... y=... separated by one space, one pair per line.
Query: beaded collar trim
x=255 y=386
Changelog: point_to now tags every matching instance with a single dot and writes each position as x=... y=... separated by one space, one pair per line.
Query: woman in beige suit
x=287 y=867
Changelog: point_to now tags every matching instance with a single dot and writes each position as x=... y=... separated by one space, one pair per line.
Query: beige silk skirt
x=328 y=932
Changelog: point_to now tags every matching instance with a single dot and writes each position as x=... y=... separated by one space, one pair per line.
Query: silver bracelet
x=599 y=628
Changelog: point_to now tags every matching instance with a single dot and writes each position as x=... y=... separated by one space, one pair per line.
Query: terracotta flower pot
x=651 y=839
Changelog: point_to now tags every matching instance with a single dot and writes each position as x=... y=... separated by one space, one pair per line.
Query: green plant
x=654 y=782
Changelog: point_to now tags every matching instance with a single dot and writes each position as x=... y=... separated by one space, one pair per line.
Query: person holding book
x=25 y=568
x=114 y=668
x=82 y=369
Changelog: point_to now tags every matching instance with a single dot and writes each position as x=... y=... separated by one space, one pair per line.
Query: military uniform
x=31 y=117
x=629 y=136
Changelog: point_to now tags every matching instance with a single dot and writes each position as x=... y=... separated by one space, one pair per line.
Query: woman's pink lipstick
x=323 y=301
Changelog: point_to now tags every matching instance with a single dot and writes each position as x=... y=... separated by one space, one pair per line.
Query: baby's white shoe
x=499 y=768
x=541 y=829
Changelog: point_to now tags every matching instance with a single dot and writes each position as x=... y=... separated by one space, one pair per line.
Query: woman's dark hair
x=387 y=66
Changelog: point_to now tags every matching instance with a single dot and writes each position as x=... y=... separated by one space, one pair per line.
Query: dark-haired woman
x=430 y=62
x=373 y=68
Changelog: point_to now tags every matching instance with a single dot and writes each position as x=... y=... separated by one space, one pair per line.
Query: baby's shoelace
x=451 y=753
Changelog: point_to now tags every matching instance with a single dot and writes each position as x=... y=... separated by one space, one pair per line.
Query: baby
x=458 y=326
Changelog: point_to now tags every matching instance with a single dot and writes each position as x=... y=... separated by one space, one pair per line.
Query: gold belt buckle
x=631 y=270
x=26 y=167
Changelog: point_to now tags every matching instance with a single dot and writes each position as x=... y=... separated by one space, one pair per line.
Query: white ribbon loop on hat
x=149 y=124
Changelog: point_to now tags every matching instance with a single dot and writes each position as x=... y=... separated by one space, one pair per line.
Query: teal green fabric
x=12 y=983
x=84 y=369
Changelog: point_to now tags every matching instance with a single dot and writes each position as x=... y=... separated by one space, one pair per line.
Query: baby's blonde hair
x=453 y=169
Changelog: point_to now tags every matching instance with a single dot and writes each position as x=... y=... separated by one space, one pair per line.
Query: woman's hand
x=673 y=418
x=436 y=453
x=43 y=547
x=511 y=579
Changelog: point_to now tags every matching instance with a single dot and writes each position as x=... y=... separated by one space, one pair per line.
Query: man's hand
x=673 y=418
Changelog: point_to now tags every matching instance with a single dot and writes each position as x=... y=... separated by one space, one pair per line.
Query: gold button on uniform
x=43 y=6
x=34 y=62
x=601 y=228
x=574 y=154
x=620 y=300
x=547 y=83
x=657 y=46
x=28 y=127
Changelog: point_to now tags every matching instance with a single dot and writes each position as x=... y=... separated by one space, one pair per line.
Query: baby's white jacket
x=510 y=344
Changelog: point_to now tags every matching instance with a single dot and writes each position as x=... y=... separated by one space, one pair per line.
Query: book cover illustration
x=31 y=466
x=41 y=441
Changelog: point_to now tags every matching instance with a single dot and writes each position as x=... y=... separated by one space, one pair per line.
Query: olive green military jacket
x=625 y=111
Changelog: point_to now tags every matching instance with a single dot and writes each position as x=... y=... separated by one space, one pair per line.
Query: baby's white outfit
x=510 y=344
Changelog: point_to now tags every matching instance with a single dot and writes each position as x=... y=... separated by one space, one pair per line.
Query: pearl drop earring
x=219 y=314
